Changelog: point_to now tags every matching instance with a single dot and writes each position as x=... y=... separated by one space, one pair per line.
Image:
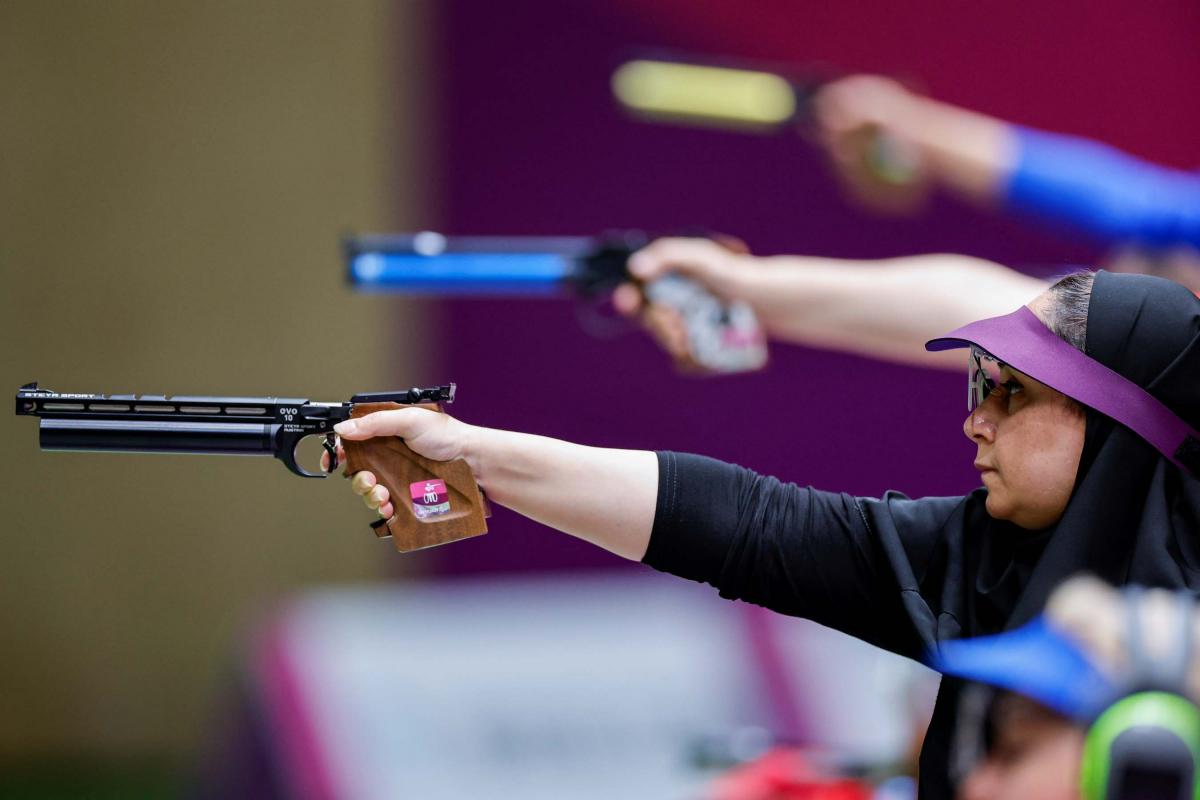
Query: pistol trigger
x=330 y=445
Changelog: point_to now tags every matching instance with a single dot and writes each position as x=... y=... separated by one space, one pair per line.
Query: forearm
x=604 y=496
x=885 y=309
x=963 y=150
x=971 y=153
x=1096 y=188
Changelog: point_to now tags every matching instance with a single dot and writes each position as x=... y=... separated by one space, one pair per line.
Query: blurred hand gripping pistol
x=685 y=89
x=723 y=337
x=435 y=502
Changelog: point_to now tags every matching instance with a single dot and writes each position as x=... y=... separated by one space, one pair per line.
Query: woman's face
x=1029 y=439
x=1035 y=756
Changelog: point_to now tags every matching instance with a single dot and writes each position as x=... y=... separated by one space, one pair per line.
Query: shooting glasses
x=1021 y=341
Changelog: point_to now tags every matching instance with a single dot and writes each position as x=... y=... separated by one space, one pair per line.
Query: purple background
x=530 y=142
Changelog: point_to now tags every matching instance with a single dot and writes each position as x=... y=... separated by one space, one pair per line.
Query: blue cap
x=1034 y=660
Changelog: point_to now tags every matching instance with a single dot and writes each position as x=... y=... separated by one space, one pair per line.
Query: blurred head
x=1029 y=437
x=1033 y=754
x=1032 y=751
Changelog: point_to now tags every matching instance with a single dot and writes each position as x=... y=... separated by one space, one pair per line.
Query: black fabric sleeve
x=862 y=566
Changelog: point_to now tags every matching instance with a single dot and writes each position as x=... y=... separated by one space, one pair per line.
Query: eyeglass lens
x=983 y=375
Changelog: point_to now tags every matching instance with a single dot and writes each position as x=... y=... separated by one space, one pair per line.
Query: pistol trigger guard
x=287 y=454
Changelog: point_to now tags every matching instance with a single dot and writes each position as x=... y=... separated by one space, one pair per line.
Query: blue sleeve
x=1104 y=192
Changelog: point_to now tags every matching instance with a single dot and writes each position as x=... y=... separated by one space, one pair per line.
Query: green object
x=891 y=160
x=1103 y=746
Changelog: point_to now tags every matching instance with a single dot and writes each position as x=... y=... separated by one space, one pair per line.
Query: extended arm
x=604 y=496
x=969 y=152
x=885 y=308
x=842 y=561
x=1092 y=187
x=836 y=559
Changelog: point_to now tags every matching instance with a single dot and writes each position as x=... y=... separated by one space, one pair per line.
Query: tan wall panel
x=174 y=177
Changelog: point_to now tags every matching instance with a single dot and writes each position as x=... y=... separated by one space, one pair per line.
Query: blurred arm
x=969 y=152
x=886 y=309
x=1102 y=191
x=1068 y=179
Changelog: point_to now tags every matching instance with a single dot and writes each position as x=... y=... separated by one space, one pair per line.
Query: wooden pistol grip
x=437 y=515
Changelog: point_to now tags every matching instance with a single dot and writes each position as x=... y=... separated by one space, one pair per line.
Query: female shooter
x=1084 y=409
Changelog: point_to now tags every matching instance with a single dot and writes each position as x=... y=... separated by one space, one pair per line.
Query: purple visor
x=1021 y=340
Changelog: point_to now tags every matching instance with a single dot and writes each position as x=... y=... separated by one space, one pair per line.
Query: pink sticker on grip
x=429 y=498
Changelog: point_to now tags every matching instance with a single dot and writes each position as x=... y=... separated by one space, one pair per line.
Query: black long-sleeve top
x=905 y=574
x=889 y=571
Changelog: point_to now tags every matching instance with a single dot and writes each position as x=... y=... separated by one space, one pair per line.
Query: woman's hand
x=858 y=101
x=716 y=265
x=867 y=125
x=604 y=496
x=428 y=433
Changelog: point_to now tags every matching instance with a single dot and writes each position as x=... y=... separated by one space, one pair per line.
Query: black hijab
x=1133 y=517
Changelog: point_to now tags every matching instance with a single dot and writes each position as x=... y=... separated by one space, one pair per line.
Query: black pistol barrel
x=246 y=426
x=157 y=436
x=157 y=423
